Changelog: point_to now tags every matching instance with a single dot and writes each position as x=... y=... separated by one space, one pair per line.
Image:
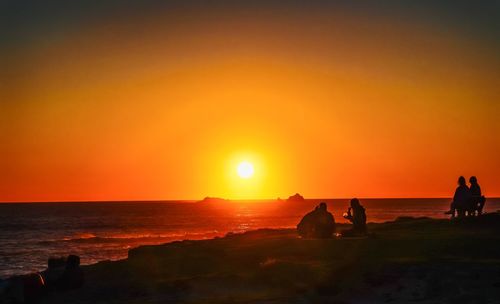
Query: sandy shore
x=409 y=260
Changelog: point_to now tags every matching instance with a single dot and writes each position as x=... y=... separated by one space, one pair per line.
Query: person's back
x=462 y=195
x=475 y=190
x=359 y=218
x=461 y=199
x=54 y=271
x=325 y=225
x=73 y=276
x=317 y=224
x=357 y=215
x=306 y=226
x=477 y=198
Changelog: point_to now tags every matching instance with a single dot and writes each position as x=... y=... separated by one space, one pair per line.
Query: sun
x=245 y=169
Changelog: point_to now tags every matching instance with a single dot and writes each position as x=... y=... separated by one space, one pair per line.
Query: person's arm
x=348 y=215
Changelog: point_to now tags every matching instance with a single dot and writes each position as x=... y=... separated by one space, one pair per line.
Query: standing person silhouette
x=477 y=197
x=460 y=200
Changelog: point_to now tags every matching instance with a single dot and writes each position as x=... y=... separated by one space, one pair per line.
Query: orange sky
x=325 y=101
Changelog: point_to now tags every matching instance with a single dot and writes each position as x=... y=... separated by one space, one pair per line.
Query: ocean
x=32 y=232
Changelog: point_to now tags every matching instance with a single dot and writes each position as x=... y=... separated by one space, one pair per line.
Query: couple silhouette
x=467 y=201
x=320 y=223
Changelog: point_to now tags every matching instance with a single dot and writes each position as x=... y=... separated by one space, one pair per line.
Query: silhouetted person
x=477 y=198
x=325 y=222
x=318 y=223
x=306 y=226
x=461 y=199
x=357 y=215
x=72 y=277
x=53 y=273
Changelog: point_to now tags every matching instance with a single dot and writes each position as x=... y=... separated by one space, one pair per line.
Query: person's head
x=322 y=206
x=354 y=203
x=461 y=181
x=473 y=180
x=72 y=261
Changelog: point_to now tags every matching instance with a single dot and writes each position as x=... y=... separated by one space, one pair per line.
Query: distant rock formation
x=295 y=198
x=209 y=199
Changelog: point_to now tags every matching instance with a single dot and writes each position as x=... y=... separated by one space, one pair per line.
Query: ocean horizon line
x=227 y=199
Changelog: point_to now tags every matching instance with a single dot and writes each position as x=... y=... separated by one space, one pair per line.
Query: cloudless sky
x=136 y=100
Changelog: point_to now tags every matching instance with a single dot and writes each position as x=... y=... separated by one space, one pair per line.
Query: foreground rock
x=409 y=260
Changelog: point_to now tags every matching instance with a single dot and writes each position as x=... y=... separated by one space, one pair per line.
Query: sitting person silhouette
x=51 y=275
x=72 y=276
x=318 y=223
x=477 y=199
x=461 y=199
x=357 y=215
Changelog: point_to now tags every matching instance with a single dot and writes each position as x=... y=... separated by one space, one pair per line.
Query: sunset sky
x=151 y=100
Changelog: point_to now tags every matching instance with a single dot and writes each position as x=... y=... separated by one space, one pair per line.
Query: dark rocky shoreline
x=409 y=260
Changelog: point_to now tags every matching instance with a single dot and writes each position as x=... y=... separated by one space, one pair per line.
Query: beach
x=408 y=260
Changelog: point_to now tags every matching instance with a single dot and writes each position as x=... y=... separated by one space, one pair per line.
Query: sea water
x=32 y=232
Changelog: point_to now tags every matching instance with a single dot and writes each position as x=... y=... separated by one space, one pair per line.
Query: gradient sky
x=140 y=100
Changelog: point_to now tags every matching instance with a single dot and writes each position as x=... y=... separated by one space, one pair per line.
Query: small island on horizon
x=296 y=198
x=209 y=199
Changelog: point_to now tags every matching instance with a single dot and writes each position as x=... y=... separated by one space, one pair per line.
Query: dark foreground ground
x=406 y=261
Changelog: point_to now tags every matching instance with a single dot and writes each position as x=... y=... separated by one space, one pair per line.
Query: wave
x=134 y=238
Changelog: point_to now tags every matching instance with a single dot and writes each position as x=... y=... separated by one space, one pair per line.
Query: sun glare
x=245 y=169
